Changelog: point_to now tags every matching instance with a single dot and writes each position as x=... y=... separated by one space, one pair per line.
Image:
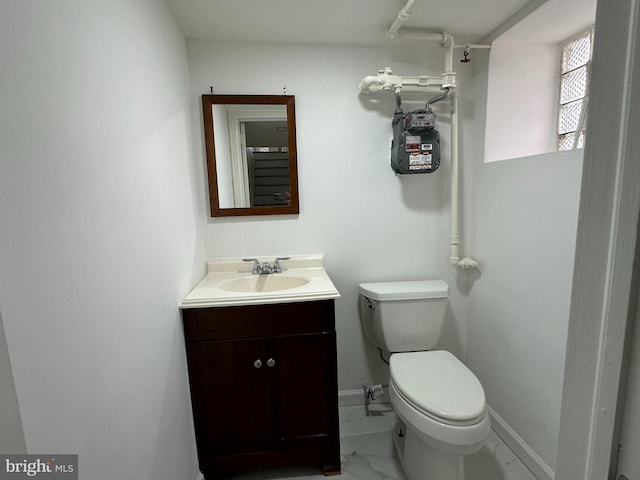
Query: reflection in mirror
x=253 y=167
x=251 y=154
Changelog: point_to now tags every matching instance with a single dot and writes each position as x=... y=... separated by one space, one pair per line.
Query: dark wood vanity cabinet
x=263 y=386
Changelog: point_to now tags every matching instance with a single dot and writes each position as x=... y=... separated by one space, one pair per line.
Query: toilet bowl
x=438 y=397
x=440 y=404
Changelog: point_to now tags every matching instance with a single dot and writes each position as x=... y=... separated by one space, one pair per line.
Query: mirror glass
x=251 y=153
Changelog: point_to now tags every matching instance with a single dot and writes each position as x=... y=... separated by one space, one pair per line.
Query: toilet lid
x=439 y=384
x=408 y=290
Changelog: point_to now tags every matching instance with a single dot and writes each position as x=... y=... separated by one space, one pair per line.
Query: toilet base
x=421 y=461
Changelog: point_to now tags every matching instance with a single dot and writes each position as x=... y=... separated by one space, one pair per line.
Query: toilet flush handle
x=369 y=303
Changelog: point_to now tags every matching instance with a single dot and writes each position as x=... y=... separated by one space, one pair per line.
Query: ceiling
x=346 y=22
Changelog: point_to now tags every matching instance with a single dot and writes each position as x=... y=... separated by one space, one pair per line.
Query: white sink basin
x=229 y=281
x=263 y=283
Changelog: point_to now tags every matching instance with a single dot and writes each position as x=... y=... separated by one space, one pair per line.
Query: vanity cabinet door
x=304 y=374
x=230 y=395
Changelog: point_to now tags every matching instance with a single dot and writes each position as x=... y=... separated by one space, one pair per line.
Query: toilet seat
x=439 y=386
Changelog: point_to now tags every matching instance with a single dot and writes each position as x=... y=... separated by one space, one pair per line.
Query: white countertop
x=221 y=270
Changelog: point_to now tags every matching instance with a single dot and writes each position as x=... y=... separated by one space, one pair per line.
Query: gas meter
x=415 y=147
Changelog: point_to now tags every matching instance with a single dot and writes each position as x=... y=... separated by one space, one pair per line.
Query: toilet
x=440 y=404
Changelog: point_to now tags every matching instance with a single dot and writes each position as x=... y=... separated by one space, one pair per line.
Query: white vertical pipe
x=448 y=43
x=466 y=262
x=455 y=237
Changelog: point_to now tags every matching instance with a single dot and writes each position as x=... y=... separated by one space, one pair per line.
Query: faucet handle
x=276 y=264
x=256 y=265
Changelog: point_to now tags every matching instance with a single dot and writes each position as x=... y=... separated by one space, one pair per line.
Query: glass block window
x=575 y=64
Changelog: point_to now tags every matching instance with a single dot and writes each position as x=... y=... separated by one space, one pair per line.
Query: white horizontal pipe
x=387 y=81
x=369 y=84
x=416 y=34
x=408 y=89
x=472 y=46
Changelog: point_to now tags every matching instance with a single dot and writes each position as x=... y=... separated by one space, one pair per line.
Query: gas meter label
x=419 y=161
x=413 y=143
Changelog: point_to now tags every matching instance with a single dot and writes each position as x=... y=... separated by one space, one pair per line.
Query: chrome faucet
x=276 y=264
x=266 y=268
x=257 y=268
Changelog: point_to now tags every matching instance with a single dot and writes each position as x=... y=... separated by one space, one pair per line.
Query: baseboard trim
x=347 y=398
x=531 y=460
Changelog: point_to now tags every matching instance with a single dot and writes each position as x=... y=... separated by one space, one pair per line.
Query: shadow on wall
x=11 y=432
x=378 y=367
x=467 y=278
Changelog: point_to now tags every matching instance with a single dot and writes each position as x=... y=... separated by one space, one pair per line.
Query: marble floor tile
x=496 y=461
x=370 y=456
x=359 y=420
x=366 y=448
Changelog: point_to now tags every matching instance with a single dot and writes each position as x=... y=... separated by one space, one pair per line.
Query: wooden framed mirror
x=250 y=143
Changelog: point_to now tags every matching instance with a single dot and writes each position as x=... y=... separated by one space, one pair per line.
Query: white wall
x=521 y=100
x=524 y=232
x=371 y=225
x=12 y=438
x=630 y=435
x=101 y=233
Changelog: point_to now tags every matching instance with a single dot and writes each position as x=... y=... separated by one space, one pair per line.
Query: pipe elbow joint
x=447 y=40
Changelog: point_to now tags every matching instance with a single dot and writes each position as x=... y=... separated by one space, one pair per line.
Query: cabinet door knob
x=271 y=362
x=257 y=363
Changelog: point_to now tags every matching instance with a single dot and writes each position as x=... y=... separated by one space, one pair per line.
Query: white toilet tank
x=404 y=316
